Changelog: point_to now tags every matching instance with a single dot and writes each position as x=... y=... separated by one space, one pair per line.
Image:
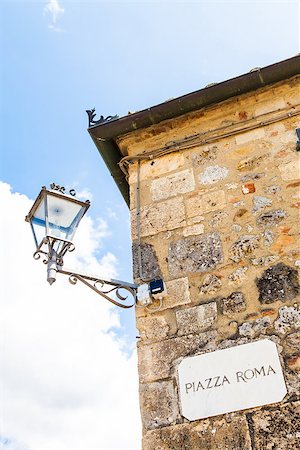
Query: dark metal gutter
x=104 y=135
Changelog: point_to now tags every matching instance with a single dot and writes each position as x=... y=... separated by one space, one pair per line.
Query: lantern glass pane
x=63 y=217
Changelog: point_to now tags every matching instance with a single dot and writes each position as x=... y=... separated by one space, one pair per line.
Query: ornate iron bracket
x=91 y=113
x=106 y=288
x=111 y=290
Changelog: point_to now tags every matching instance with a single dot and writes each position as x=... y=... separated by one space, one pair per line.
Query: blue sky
x=59 y=58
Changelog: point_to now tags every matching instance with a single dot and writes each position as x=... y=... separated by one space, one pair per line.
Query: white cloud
x=66 y=382
x=54 y=10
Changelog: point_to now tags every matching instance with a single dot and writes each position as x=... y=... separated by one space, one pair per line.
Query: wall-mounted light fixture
x=54 y=219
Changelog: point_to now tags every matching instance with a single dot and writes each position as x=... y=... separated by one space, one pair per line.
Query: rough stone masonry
x=219 y=222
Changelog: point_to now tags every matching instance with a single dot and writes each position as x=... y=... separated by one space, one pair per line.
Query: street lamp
x=54 y=218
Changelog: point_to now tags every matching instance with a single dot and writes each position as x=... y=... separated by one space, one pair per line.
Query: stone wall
x=219 y=223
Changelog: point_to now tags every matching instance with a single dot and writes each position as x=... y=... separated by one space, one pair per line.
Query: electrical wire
x=200 y=138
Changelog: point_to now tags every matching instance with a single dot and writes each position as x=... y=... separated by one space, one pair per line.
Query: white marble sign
x=229 y=380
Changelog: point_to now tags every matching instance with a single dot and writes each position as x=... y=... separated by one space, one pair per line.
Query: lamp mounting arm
x=105 y=288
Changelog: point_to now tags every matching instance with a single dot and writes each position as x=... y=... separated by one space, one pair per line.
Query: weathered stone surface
x=260 y=203
x=250 y=136
x=196 y=319
x=271 y=218
x=156 y=360
x=248 y=188
x=213 y=174
x=172 y=185
x=243 y=247
x=218 y=219
x=216 y=434
x=290 y=171
x=272 y=189
x=193 y=230
x=156 y=167
x=264 y=260
x=150 y=267
x=201 y=204
x=293 y=385
x=233 y=304
x=205 y=155
x=293 y=363
x=178 y=293
x=252 y=176
x=279 y=282
x=153 y=328
x=236 y=227
x=238 y=276
x=211 y=284
x=161 y=216
x=250 y=163
x=288 y=319
x=158 y=404
x=268 y=236
x=277 y=428
x=195 y=254
x=255 y=328
x=293 y=340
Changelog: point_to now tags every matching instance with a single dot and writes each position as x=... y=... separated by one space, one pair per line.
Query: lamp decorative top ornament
x=54 y=219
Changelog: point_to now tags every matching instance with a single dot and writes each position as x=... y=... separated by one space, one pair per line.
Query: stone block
x=193 y=230
x=196 y=319
x=215 y=434
x=265 y=108
x=195 y=254
x=211 y=283
x=273 y=189
x=260 y=203
x=290 y=171
x=250 y=164
x=173 y=185
x=238 y=276
x=213 y=174
x=200 y=204
x=279 y=282
x=248 y=188
x=219 y=219
x=158 y=404
x=250 y=136
x=293 y=340
x=150 y=266
x=255 y=328
x=156 y=167
x=233 y=304
x=277 y=428
x=288 y=319
x=243 y=247
x=204 y=155
x=252 y=177
x=153 y=328
x=178 y=293
x=271 y=218
x=293 y=363
x=156 y=361
x=158 y=217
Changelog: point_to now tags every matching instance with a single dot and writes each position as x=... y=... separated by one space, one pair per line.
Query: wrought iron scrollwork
x=98 y=286
x=91 y=114
x=46 y=249
x=62 y=189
